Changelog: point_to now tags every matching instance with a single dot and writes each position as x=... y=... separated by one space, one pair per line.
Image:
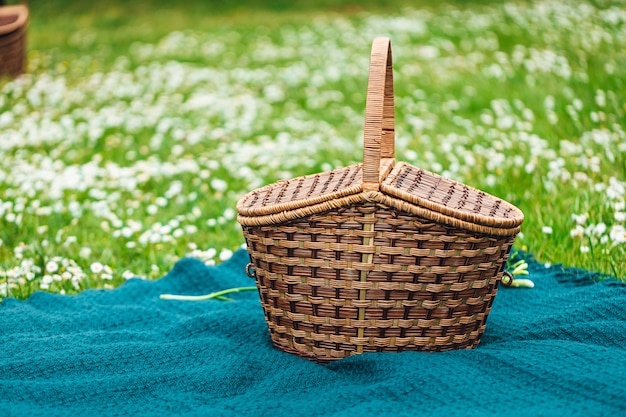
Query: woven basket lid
x=379 y=179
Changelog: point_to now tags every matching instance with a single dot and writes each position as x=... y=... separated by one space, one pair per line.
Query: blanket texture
x=556 y=350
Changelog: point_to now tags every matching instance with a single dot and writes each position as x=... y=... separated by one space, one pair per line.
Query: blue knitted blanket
x=558 y=349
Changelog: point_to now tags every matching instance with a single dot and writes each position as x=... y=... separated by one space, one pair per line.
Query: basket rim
x=19 y=10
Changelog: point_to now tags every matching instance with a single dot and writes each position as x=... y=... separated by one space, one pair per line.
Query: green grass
x=138 y=126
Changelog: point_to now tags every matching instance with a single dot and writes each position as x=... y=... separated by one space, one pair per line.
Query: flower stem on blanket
x=218 y=295
x=515 y=269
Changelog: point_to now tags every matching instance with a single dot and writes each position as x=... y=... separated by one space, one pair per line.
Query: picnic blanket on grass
x=558 y=349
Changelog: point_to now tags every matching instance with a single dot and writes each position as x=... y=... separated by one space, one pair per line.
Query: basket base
x=325 y=356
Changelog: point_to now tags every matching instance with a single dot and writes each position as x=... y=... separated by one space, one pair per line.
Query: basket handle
x=379 y=114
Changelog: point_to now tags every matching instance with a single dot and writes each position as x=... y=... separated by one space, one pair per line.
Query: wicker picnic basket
x=13 y=21
x=379 y=256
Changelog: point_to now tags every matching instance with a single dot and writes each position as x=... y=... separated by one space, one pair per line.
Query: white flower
x=584 y=249
x=96 y=267
x=52 y=267
x=225 y=254
x=547 y=230
x=229 y=214
x=128 y=274
x=600 y=229
x=618 y=234
x=579 y=231
x=127 y=232
x=47 y=280
x=580 y=218
x=620 y=216
x=218 y=184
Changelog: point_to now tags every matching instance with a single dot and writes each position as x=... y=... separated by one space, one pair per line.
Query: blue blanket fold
x=558 y=349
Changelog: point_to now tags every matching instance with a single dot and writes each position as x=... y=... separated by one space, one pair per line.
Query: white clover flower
x=619 y=216
x=47 y=279
x=584 y=249
x=547 y=230
x=128 y=275
x=96 y=267
x=152 y=209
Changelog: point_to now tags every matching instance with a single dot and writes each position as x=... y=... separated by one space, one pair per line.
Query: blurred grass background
x=448 y=105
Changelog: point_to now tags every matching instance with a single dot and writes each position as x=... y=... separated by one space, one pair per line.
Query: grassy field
x=137 y=127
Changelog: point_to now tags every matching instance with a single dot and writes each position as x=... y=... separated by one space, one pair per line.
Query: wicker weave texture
x=446 y=196
x=302 y=191
x=13 y=21
x=428 y=287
